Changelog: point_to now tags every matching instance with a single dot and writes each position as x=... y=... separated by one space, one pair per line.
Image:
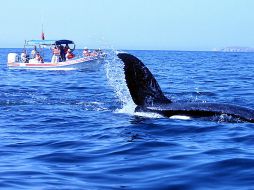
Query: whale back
x=143 y=87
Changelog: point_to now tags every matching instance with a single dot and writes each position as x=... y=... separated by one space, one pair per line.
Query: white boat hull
x=73 y=64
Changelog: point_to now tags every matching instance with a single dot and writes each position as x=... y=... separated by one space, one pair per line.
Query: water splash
x=116 y=79
x=115 y=75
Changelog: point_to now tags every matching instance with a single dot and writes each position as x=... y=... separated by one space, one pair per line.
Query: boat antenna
x=42 y=20
x=42 y=32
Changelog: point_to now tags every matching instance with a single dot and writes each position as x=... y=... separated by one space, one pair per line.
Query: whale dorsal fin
x=143 y=87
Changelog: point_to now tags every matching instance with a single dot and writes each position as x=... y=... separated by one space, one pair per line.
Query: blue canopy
x=47 y=42
x=59 y=42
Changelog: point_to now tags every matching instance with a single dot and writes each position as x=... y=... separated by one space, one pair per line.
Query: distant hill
x=235 y=49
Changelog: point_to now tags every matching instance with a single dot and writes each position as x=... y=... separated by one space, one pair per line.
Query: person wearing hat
x=69 y=55
x=86 y=52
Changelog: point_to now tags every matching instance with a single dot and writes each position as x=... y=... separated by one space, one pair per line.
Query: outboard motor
x=13 y=57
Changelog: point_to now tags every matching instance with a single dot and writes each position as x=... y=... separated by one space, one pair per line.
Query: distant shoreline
x=235 y=49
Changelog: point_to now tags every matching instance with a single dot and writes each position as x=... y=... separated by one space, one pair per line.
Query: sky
x=131 y=24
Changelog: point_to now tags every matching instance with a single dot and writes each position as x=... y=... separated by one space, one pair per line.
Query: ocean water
x=78 y=130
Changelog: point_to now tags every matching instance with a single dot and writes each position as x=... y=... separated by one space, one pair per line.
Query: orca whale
x=148 y=96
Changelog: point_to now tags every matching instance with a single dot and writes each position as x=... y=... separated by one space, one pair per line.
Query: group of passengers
x=35 y=57
x=60 y=54
x=88 y=53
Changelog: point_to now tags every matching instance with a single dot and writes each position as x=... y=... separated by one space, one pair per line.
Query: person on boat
x=33 y=52
x=38 y=58
x=69 y=55
x=66 y=48
x=99 y=51
x=24 y=57
x=62 y=53
x=94 y=53
x=56 y=55
x=86 y=52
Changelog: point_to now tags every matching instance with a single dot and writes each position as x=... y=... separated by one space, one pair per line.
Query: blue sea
x=78 y=130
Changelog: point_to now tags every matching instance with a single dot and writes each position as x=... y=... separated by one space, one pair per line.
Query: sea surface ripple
x=78 y=130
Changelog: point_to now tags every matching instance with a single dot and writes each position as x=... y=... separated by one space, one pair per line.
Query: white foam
x=127 y=109
x=97 y=106
x=119 y=51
